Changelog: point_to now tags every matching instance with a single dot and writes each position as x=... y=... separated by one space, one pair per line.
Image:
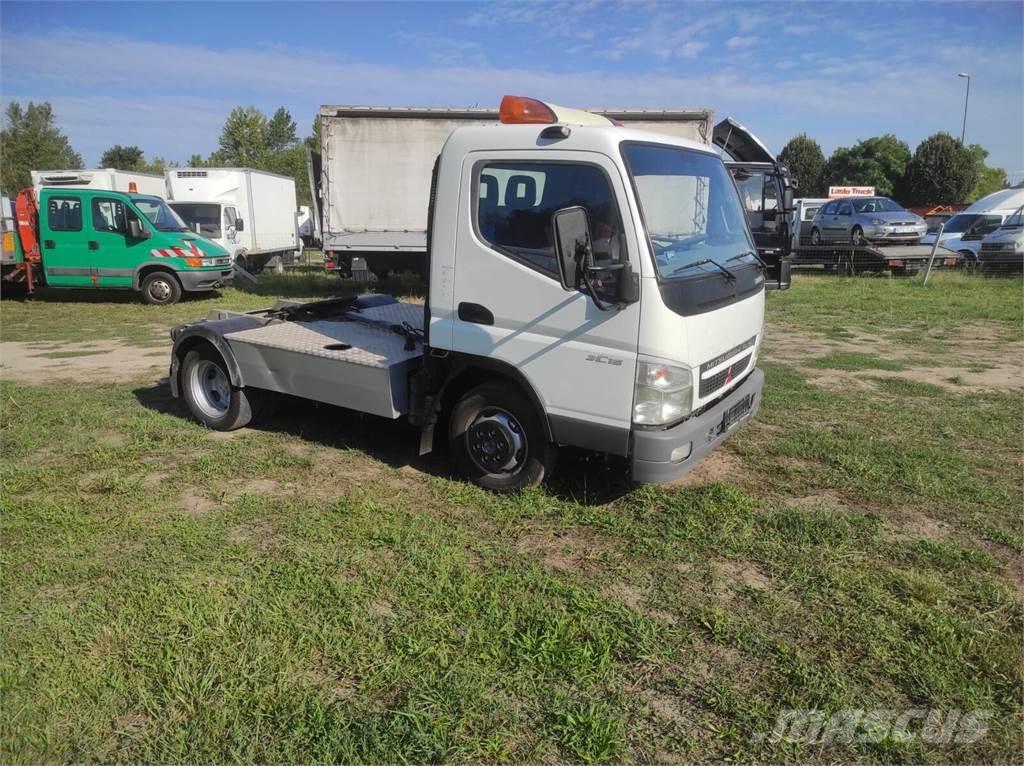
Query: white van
x=1004 y=248
x=965 y=230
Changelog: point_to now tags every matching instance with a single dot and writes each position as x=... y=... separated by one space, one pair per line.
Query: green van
x=113 y=240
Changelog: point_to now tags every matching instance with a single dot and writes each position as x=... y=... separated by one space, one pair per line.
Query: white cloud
x=738 y=41
x=189 y=89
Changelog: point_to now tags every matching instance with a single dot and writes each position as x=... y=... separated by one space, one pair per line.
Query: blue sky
x=164 y=75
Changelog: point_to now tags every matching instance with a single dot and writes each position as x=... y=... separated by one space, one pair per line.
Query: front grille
x=725 y=356
x=709 y=385
x=995 y=247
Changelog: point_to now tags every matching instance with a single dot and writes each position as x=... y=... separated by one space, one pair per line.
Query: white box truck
x=251 y=213
x=108 y=179
x=372 y=175
x=590 y=285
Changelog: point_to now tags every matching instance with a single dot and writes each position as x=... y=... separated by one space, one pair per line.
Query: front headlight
x=663 y=393
x=878 y=222
x=209 y=261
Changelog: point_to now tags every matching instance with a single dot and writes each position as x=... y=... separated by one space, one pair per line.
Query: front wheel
x=498 y=439
x=857 y=236
x=815 y=237
x=208 y=392
x=160 y=288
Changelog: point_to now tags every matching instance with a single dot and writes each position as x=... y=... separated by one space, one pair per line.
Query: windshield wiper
x=728 y=274
x=752 y=254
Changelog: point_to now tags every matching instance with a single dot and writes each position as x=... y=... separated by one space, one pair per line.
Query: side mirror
x=239 y=225
x=572 y=244
x=136 y=230
x=787 y=199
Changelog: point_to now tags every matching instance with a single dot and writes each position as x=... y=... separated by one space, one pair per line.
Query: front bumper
x=894 y=233
x=204 y=279
x=651 y=450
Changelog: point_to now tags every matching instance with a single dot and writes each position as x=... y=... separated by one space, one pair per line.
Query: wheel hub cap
x=213 y=391
x=160 y=290
x=496 y=441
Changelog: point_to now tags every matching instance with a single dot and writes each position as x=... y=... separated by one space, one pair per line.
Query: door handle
x=49 y=244
x=94 y=245
x=475 y=313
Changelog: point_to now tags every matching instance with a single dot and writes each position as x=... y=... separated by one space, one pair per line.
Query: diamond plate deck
x=376 y=347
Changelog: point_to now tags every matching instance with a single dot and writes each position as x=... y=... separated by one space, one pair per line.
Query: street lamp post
x=967 y=95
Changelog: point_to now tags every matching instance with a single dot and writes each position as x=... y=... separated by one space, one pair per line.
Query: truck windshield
x=1014 y=221
x=693 y=214
x=159 y=214
x=203 y=215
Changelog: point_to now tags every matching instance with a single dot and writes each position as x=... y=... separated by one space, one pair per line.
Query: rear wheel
x=498 y=439
x=160 y=288
x=211 y=398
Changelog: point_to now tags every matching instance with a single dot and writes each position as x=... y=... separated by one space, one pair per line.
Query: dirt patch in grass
x=635 y=598
x=564 y=550
x=825 y=498
x=259 y=533
x=730 y=575
x=969 y=360
x=719 y=466
x=914 y=525
x=100 y=361
x=194 y=505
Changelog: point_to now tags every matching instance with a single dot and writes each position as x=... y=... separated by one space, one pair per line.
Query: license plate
x=736 y=413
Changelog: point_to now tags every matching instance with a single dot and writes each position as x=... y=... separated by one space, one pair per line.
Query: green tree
x=292 y=162
x=30 y=140
x=281 y=131
x=244 y=138
x=989 y=179
x=197 y=161
x=806 y=162
x=122 y=157
x=880 y=162
x=942 y=172
x=313 y=140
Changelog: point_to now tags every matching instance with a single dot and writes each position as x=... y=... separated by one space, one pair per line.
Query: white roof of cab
x=595 y=138
x=1004 y=199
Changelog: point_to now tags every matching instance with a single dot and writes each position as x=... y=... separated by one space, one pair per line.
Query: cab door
x=64 y=240
x=115 y=254
x=509 y=305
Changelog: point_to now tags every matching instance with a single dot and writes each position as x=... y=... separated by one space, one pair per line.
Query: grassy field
x=311 y=591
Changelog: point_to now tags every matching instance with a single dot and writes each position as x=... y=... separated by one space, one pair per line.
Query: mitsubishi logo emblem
x=728 y=376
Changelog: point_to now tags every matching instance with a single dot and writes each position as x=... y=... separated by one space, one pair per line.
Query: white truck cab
x=589 y=285
x=965 y=231
x=1004 y=248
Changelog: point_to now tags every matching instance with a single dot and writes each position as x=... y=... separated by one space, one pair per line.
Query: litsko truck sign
x=851 y=191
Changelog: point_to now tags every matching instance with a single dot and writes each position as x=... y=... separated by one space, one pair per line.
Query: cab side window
x=109 y=215
x=515 y=202
x=64 y=214
x=845 y=209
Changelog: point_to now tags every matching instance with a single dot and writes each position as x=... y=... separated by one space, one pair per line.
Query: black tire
x=494 y=421
x=212 y=400
x=242 y=262
x=815 y=237
x=160 y=288
x=857 y=236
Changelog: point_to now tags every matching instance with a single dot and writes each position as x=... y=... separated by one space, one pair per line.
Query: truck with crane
x=95 y=238
x=589 y=284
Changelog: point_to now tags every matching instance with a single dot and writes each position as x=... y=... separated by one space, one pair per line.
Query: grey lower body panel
x=652 y=450
x=375 y=390
x=376 y=241
x=195 y=281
